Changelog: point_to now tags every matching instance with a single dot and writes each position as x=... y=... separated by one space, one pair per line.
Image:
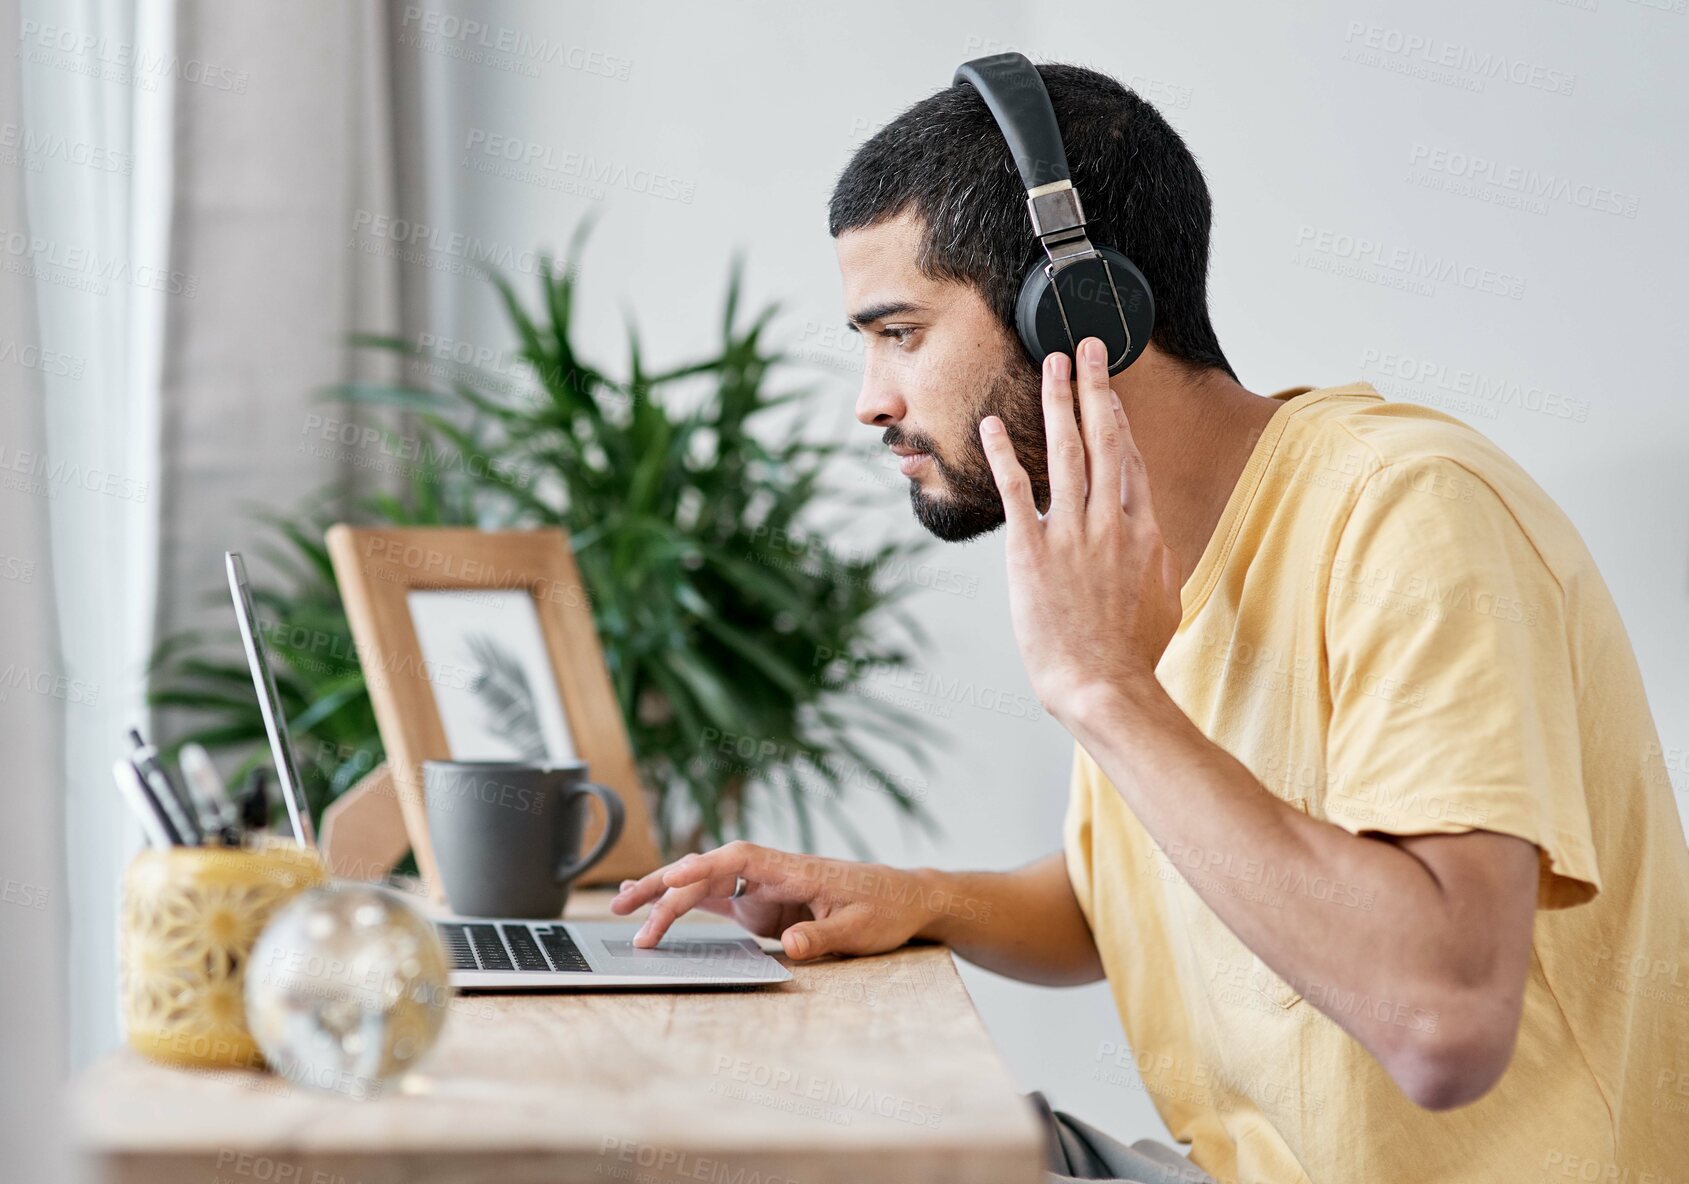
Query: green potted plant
x=738 y=640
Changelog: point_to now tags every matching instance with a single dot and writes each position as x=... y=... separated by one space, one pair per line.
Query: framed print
x=479 y=645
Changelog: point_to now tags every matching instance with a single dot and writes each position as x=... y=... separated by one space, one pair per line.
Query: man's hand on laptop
x=815 y=906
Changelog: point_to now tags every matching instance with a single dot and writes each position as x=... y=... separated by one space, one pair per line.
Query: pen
x=210 y=795
x=255 y=801
x=173 y=800
x=154 y=822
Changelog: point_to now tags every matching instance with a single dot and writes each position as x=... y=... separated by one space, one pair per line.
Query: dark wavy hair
x=945 y=159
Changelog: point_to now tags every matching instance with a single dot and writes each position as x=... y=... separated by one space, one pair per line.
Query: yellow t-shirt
x=1397 y=631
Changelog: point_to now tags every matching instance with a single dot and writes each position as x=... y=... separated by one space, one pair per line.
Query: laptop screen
x=269 y=702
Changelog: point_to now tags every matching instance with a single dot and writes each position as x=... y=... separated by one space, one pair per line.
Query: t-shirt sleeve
x=1076 y=830
x=1453 y=701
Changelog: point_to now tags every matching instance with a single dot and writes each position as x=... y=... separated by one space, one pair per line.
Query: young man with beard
x=1370 y=828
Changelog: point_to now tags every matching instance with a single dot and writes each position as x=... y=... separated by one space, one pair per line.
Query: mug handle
x=614 y=816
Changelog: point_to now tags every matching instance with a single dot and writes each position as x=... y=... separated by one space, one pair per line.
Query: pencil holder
x=191 y=916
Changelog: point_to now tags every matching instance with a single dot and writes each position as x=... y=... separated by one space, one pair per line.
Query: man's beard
x=970 y=505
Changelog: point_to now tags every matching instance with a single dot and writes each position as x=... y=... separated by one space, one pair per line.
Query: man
x=1370 y=828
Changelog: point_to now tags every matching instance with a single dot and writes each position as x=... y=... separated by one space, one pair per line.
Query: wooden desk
x=869 y=1069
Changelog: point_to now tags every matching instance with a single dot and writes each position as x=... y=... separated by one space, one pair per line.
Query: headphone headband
x=1014 y=91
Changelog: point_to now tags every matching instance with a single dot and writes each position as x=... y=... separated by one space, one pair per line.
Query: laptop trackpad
x=688 y=958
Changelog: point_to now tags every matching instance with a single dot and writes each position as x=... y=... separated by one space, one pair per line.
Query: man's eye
x=898 y=333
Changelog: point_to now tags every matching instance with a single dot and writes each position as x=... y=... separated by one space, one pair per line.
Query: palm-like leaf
x=503 y=690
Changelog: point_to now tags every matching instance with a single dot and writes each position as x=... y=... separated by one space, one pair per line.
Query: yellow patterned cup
x=190 y=918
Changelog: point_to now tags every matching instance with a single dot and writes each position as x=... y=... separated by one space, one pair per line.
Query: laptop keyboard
x=487 y=946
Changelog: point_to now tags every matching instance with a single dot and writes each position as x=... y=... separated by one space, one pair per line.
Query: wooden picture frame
x=378 y=569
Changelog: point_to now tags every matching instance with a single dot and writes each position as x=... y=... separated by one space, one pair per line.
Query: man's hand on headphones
x=1093 y=590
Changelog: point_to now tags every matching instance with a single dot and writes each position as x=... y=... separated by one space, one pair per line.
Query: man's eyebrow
x=879 y=312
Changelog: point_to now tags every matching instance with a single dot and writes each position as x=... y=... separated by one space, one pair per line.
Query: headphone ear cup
x=1087 y=293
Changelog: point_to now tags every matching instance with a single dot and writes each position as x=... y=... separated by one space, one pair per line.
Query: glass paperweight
x=347 y=989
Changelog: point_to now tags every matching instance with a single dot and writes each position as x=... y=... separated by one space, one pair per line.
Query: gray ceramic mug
x=507 y=835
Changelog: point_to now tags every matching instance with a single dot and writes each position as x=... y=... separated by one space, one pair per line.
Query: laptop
x=513 y=954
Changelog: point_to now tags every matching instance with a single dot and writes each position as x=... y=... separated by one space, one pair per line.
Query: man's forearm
x=1025 y=923
x=1341 y=917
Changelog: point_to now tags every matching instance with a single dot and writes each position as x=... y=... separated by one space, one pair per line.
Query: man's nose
x=878 y=404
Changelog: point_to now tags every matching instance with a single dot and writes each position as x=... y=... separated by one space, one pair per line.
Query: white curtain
x=273 y=182
x=96 y=115
x=177 y=206
x=33 y=913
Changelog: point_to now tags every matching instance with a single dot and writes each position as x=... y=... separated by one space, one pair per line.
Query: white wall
x=751 y=110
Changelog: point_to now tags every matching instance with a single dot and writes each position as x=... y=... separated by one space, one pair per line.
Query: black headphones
x=1084 y=289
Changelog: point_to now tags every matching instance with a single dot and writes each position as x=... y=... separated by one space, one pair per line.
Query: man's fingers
x=811 y=939
x=716 y=896
x=1134 y=475
x=1013 y=485
x=1065 y=449
x=713 y=883
x=713 y=873
x=735 y=859
x=674 y=904
x=634 y=893
x=1102 y=427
